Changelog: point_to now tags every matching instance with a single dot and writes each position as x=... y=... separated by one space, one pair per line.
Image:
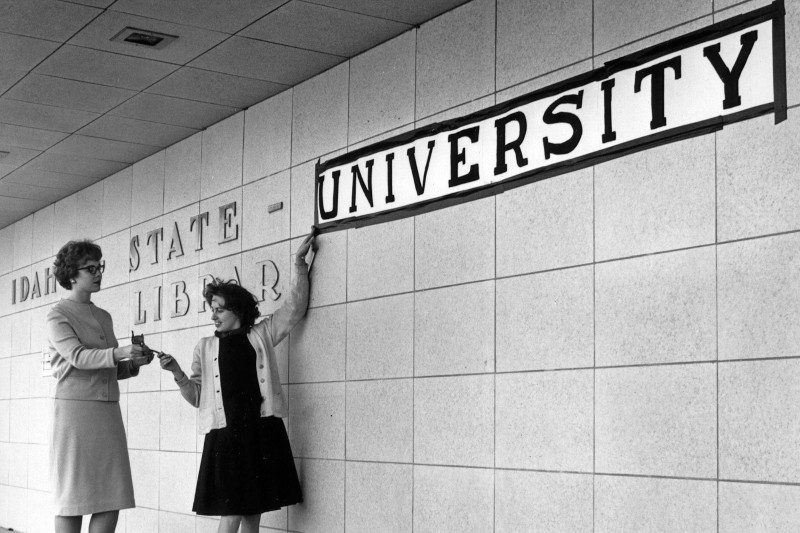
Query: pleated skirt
x=89 y=464
x=247 y=468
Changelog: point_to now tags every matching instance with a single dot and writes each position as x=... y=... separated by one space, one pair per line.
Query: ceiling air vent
x=146 y=38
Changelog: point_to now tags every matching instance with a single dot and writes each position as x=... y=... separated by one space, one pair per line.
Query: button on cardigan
x=203 y=390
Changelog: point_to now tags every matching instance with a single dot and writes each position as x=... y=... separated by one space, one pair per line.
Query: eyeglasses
x=94 y=269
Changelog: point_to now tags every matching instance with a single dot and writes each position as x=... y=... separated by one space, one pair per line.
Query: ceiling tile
x=136 y=131
x=54 y=21
x=81 y=166
x=409 y=11
x=43 y=116
x=13 y=209
x=94 y=3
x=30 y=192
x=191 y=41
x=265 y=61
x=229 y=16
x=216 y=88
x=324 y=29
x=81 y=145
x=9 y=77
x=54 y=180
x=167 y=110
x=61 y=92
x=104 y=68
x=32 y=138
x=16 y=157
x=24 y=53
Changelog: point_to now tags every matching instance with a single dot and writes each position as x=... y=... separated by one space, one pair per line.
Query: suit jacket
x=81 y=342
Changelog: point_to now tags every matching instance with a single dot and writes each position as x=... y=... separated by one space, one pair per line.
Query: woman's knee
x=105 y=522
x=68 y=524
x=229 y=524
x=250 y=523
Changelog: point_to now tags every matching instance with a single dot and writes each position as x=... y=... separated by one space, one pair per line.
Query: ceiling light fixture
x=145 y=38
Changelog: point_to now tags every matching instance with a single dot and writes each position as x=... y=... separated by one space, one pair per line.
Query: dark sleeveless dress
x=247 y=467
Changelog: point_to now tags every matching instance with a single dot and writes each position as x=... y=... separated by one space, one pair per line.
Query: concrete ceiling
x=76 y=107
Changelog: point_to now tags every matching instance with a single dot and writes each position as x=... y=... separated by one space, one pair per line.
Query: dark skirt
x=247 y=468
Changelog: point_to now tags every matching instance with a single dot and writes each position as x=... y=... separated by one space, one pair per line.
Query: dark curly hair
x=71 y=256
x=237 y=299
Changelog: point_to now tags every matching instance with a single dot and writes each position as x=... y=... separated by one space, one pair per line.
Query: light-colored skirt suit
x=89 y=463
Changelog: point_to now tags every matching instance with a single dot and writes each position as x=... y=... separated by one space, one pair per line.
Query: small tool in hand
x=147 y=351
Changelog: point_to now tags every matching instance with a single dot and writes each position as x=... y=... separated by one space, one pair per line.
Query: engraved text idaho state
x=175 y=298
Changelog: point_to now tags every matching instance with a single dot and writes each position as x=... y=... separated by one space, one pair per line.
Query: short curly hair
x=239 y=300
x=71 y=256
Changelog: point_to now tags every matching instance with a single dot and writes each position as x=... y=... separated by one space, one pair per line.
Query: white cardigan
x=203 y=390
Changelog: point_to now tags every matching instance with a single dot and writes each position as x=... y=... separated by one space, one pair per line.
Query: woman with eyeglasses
x=89 y=463
x=247 y=467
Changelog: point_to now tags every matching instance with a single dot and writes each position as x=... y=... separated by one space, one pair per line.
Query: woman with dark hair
x=247 y=467
x=89 y=452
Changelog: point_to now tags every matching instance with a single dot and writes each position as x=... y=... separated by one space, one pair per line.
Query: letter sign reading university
x=731 y=71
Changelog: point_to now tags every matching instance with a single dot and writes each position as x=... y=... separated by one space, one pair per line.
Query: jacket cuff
x=301 y=268
x=110 y=362
x=182 y=381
